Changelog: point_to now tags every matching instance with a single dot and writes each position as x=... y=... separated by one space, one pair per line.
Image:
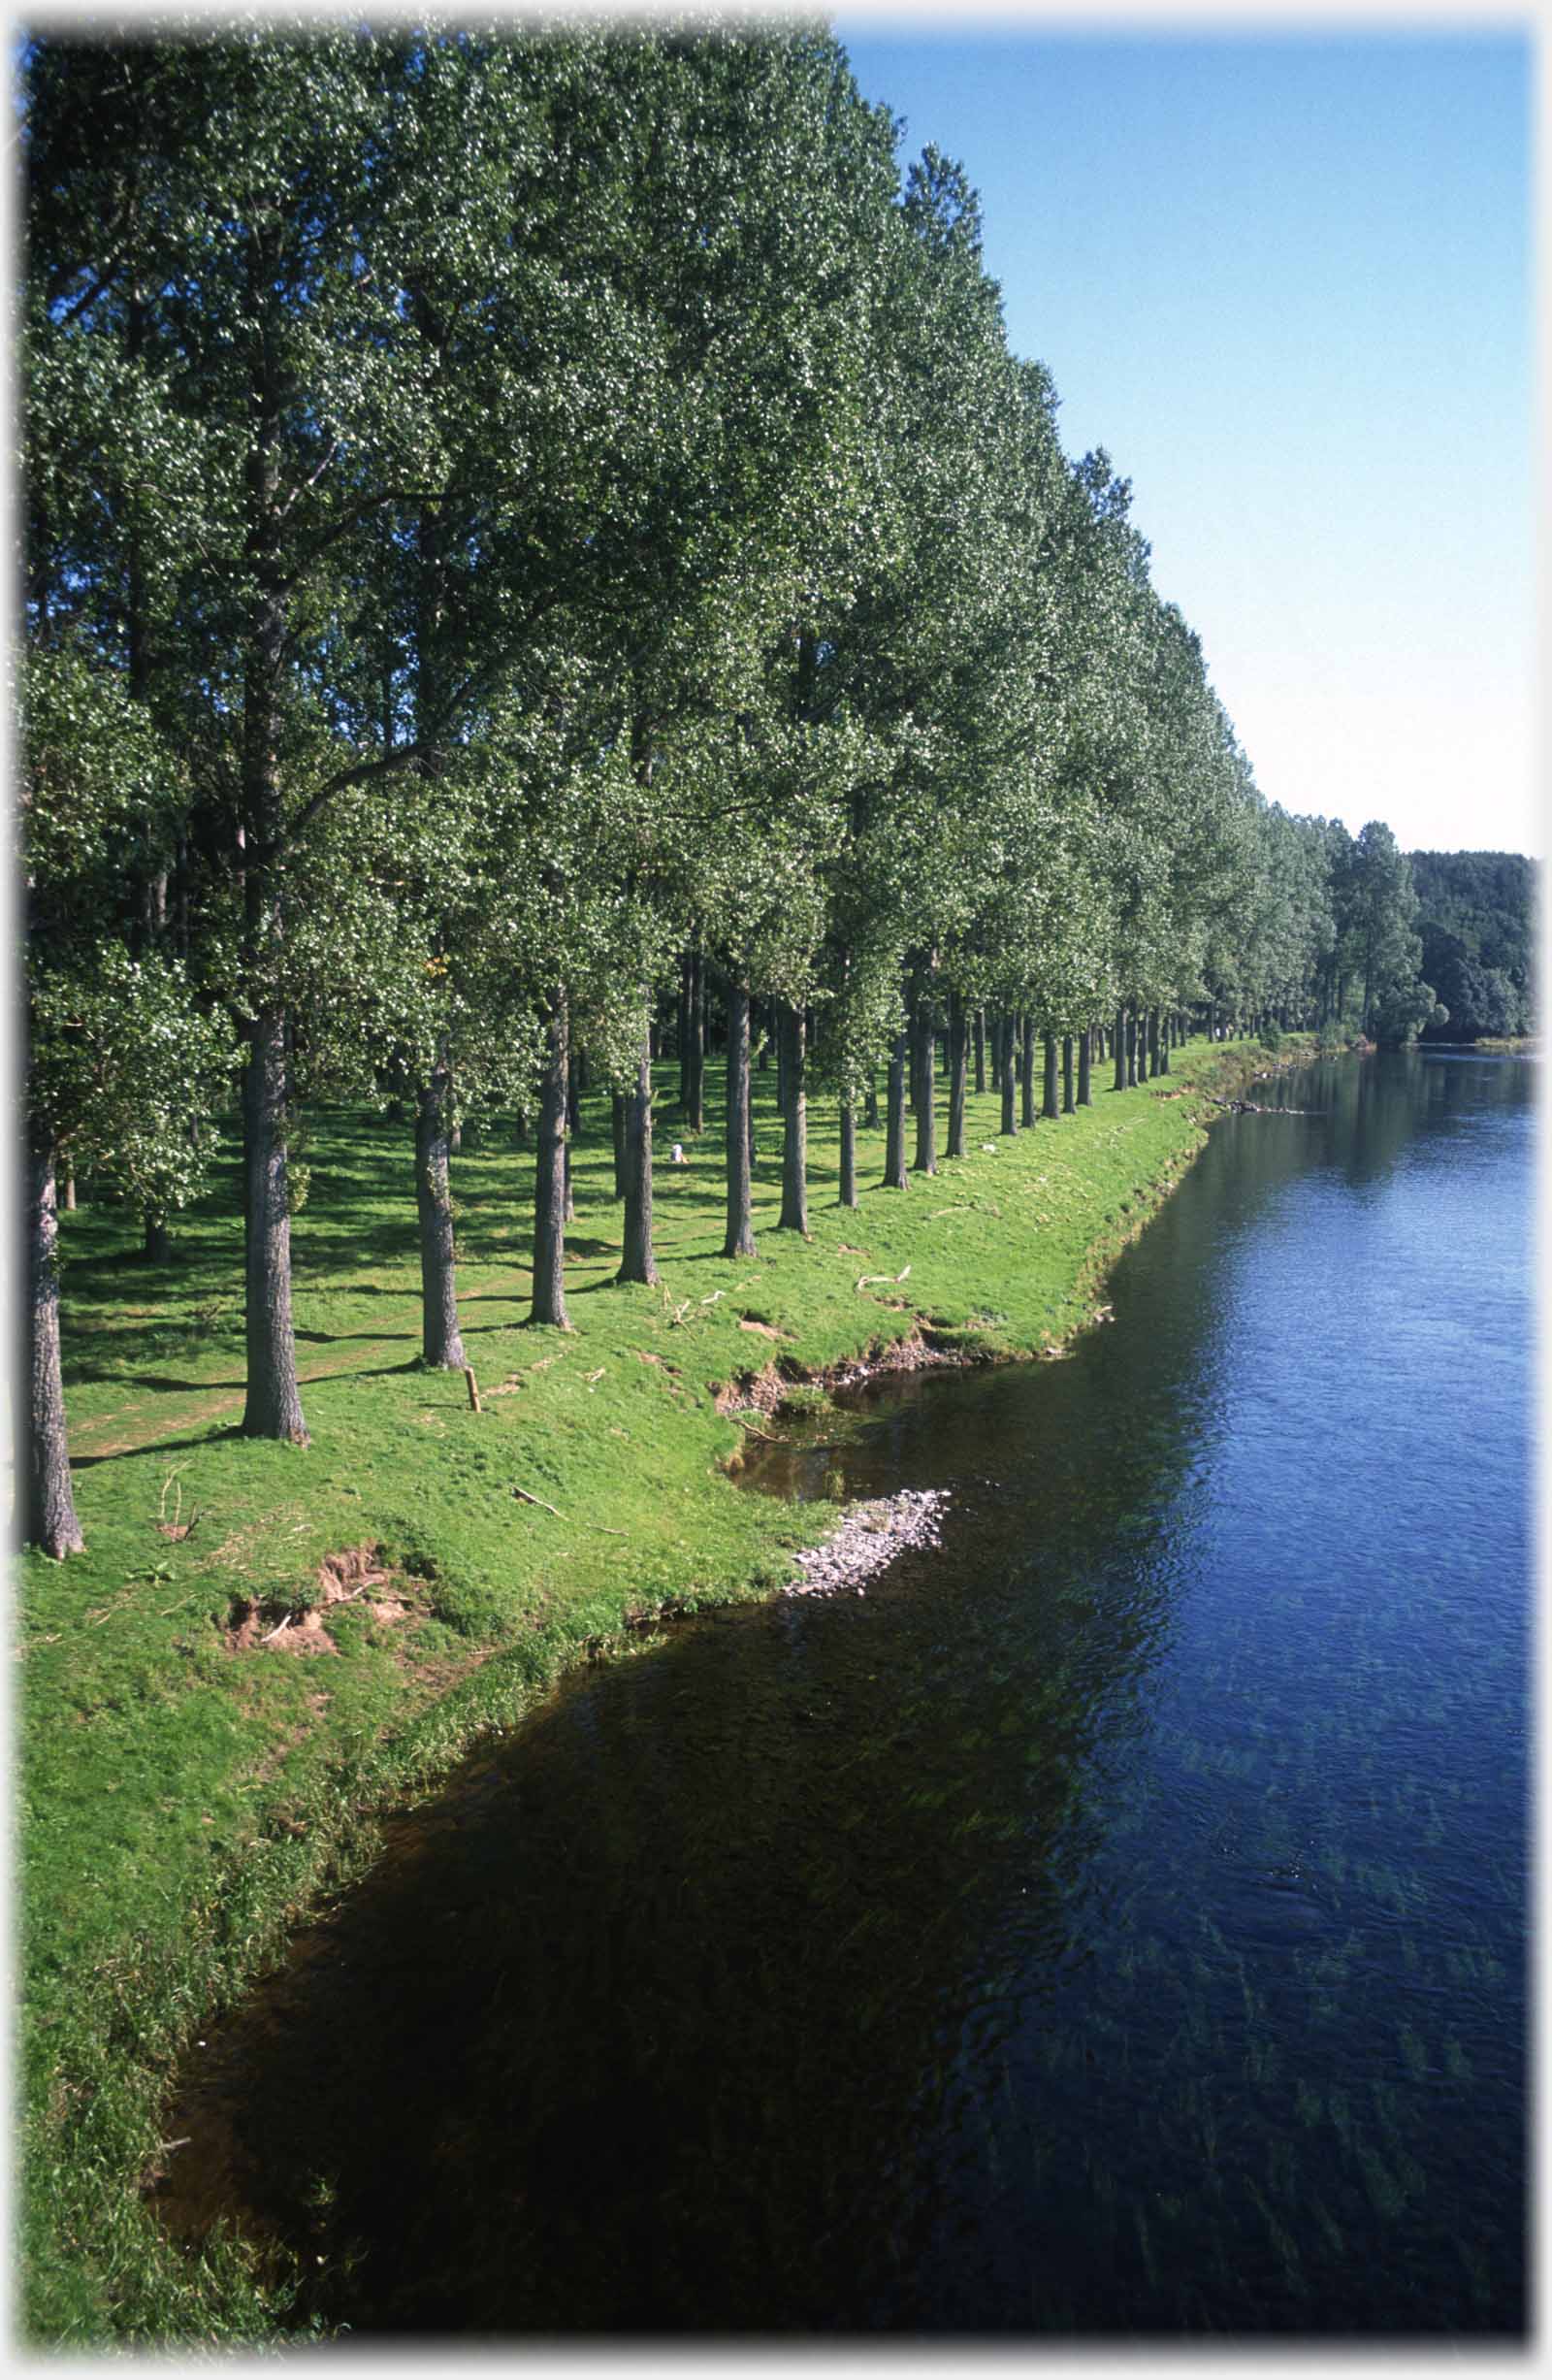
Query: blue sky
x=1285 y=280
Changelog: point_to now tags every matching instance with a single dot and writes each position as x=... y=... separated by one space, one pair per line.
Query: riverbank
x=262 y=1644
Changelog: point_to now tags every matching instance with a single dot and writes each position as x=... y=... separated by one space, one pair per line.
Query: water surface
x=1111 y=1922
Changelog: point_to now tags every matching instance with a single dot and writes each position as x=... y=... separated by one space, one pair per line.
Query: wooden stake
x=473 y=1389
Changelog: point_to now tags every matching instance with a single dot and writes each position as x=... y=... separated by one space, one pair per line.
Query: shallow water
x=1112 y=1921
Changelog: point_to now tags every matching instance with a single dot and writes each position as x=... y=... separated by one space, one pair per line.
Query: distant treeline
x=1476 y=917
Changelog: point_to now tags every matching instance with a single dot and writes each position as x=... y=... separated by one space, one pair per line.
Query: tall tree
x=121 y=1062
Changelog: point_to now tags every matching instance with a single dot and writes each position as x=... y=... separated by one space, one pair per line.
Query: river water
x=1111 y=1922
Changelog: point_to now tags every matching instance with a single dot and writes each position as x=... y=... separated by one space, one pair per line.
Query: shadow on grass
x=229 y=1435
x=338 y=1338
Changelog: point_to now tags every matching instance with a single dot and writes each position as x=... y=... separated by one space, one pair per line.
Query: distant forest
x=1476 y=917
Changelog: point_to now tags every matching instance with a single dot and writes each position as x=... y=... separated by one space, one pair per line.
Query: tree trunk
x=870 y=1102
x=158 y=1243
x=549 y=1177
x=698 y=1042
x=739 y=1240
x=1086 y=1092
x=894 y=1177
x=617 y=1125
x=923 y=1041
x=1050 y=1102
x=440 y=1345
x=1119 y=1049
x=795 y=1118
x=1166 y=1037
x=980 y=1052
x=1005 y=1073
x=47 y=1506
x=68 y=1199
x=1067 y=1100
x=847 y=1154
x=636 y=1264
x=273 y=1406
x=1131 y=1049
x=1026 y=1071
x=959 y=1053
x=682 y=1034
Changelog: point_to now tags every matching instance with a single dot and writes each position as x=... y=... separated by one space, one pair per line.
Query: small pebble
x=869 y=1537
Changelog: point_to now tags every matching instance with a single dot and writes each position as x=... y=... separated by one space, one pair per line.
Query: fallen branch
x=560 y=1516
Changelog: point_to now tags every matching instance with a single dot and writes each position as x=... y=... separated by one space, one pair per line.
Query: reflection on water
x=1112 y=1921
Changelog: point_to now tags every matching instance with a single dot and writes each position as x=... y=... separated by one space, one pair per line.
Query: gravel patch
x=869 y=1537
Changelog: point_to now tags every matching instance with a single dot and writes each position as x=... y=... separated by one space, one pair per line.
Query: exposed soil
x=766 y=1391
x=343 y=1577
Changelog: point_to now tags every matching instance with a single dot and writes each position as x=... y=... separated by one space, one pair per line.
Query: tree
x=1380 y=911
x=121 y=1065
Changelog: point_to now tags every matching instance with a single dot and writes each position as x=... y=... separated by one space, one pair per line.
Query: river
x=1113 y=1922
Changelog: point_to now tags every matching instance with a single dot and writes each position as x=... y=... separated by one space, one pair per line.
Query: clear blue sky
x=1284 y=278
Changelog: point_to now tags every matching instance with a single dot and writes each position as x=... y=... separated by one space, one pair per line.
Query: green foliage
x=1476 y=921
x=129 y=1069
x=123 y=1065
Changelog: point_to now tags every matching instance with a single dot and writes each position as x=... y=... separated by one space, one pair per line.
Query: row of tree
x=517 y=522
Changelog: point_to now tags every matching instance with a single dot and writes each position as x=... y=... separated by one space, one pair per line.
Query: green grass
x=181 y=1802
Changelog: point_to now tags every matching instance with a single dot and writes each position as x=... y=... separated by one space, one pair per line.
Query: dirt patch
x=341 y=1577
x=347 y=1576
x=254 y=1628
x=763 y=1330
x=766 y=1391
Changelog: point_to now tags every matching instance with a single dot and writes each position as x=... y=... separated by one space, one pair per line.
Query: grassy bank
x=263 y=1642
